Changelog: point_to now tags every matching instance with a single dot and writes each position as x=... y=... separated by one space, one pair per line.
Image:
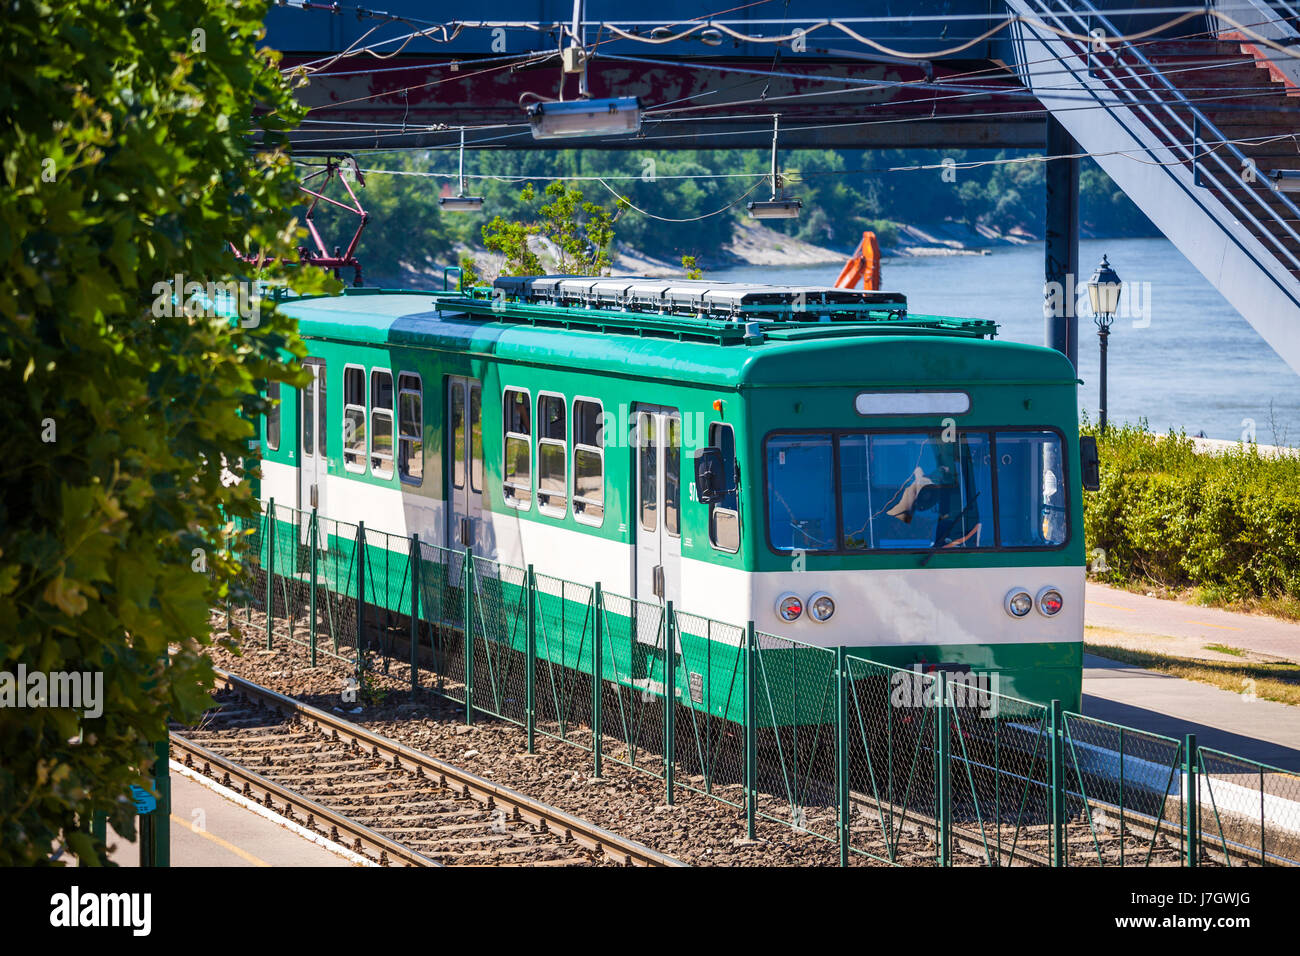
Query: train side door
x=313 y=443
x=658 y=500
x=465 y=450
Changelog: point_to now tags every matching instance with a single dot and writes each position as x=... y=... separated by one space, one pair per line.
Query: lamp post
x=1103 y=293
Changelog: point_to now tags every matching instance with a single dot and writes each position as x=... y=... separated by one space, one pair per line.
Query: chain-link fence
x=1125 y=795
x=1001 y=786
x=1248 y=812
x=796 y=696
x=441 y=615
x=499 y=615
x=633 y=638
x=710 y=677
x=890 y=742
x=929 y=766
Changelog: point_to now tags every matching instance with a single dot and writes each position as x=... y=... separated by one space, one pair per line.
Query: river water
x=1180 y=357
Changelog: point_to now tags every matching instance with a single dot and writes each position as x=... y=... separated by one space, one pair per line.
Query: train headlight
x=789 y=607
x=821 y=606
x=1050 y=602
x=1018 y=602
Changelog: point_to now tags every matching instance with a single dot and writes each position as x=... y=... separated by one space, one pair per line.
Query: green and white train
x=818 y=461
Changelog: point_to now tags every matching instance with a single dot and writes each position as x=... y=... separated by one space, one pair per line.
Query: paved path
x=1125 y=611
x=230 y=835
x=1262 y=730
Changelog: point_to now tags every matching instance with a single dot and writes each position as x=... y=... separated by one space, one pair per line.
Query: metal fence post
x=1058 y=784
x=468 y=620
x=147 y=829
x=415 y=611
x=944 y=782
x=751 y=731
x=597 y=674
x=1191 y=802
x=155 y=826
x=670 y=697
x=842 y=748
x=230 y=552
x=530 y=662
x=162 y=848
x=270 y=569
x=359 y=555
x=313 y=540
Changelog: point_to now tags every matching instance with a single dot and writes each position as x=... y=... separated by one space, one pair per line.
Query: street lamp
x=1103 y=293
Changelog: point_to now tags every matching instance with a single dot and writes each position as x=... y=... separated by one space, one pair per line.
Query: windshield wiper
x=938 y=535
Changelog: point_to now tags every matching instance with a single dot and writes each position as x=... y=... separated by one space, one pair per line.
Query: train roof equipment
x=722 y=312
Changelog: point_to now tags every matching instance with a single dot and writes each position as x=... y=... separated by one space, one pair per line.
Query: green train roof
x=721 y=334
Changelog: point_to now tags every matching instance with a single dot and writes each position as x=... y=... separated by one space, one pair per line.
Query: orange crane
x=863 y=267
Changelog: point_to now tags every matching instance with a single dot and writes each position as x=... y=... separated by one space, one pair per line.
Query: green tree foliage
x=125 y=164
x=579 y=231
x=688 y=202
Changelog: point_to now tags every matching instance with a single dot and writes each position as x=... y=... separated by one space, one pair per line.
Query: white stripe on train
x=901 y=607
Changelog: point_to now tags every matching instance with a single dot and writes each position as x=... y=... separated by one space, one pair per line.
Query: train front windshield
x=857 y=491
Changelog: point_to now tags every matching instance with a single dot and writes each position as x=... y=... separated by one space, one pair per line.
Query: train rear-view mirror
x=710 y=485
x=1089 y=463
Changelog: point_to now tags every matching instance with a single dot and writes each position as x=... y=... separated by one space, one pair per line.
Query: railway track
x=386 y=801
x=1139 y=833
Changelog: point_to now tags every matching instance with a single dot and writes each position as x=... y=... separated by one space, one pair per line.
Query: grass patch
x=1270 y=680
x=1285 y=606
x=1225 y=649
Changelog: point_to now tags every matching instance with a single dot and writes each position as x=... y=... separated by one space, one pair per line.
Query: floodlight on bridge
x=610 y=117
x=775 y=208
x=460 y=202
x=1287 y=180
x=778 y=207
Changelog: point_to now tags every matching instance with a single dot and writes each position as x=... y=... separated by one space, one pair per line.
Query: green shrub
x=1227 y=523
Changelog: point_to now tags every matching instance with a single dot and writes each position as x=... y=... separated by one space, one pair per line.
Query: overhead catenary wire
x=761 y=178
x=655 y=116
x=1206 y=147
x=867 y=85
x=377 y=129
x=843 y=24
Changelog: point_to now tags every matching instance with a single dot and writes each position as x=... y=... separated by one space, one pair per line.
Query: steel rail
x=267 y=793
x=541 y=815
x=987 y=848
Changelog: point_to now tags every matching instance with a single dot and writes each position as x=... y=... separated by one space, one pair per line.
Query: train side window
x=354 y=418
x=320 y=412
x=308 y=422
x=381 y=423
x=649 y=458
x=410 y=428
x=673 y=476
x=517 y=475
x=552 y=455
x=475 y=437
x=457 y=435
x=724 y=515
x=588 y=462
x=273 y=416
